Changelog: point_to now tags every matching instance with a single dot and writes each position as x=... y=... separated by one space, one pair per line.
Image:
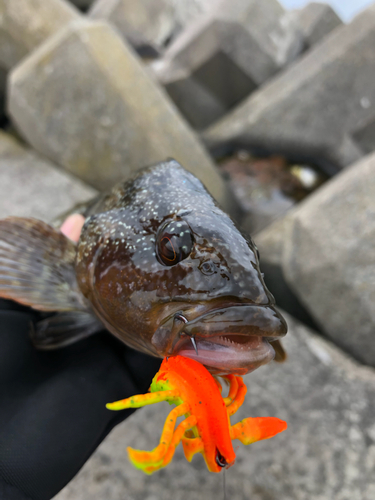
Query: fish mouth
x=231 y=340
x=224 y=354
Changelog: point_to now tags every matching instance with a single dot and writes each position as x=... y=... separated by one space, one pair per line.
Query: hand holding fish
x=46 y=431
x=206 y=429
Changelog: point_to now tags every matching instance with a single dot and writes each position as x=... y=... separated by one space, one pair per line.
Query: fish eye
x=174 y=242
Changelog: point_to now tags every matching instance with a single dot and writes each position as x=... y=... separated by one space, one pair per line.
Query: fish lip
x=267 y=314
x=221 y=359
x=241 y=332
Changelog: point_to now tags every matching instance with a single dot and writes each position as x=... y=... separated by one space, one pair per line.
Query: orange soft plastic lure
x=206 y=429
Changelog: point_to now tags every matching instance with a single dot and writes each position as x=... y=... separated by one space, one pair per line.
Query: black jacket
x=52 y=404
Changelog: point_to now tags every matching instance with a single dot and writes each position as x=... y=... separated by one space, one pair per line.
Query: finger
x=72 y=226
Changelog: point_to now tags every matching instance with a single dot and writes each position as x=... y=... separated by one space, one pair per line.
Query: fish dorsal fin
x=37 y=266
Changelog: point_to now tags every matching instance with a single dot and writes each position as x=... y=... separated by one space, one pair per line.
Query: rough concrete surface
x=316 y=20
x=271 y=240
x=188 y=12
x=328 y=451
x=82 y=4
x=329 y=258
x=30 y=186
x=3 y=86
x=218 y=61
x=317 y=105
x=24 y=24
x=84 y=100
x=168 y=19
x=146 y=23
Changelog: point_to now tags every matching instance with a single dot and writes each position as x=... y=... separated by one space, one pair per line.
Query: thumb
x=72 y=226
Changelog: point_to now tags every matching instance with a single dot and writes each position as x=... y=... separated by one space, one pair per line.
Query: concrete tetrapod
x=322 y=106
x=99 y=114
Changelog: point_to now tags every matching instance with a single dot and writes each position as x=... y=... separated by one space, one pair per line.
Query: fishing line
x=224 y=485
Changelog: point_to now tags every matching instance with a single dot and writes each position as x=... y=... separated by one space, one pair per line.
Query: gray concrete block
x=271 y=240
x=316 y=21
x=364 y=133
x=145 y=24
x=316 y=106
x=218 y=61
x=186 y=13
x=24 y=24
x=181 y=14
x=84 y=100
x=31 y=186
x=82 y=4
x=327 y=452
x=3 y=86
x=329 y=258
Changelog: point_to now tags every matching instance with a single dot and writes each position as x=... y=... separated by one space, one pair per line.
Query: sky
x=346 y=9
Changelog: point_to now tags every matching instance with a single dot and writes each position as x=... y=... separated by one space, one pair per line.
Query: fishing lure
x=206 y=429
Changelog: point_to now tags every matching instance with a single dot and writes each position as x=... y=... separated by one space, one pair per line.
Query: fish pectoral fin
x=63 y=329
x=280 y=353
x=37 y=266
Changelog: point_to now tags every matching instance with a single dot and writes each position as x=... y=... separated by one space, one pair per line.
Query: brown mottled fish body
x=159 y=264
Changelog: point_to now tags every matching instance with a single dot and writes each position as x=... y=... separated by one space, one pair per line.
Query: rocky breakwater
x=325 y=247
x=323 y=105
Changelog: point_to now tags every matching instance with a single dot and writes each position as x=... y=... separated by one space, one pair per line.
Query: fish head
x=226 y=317
x=171 y=274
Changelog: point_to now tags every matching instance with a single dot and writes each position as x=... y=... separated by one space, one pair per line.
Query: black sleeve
x=9 y=492
x=52 y=404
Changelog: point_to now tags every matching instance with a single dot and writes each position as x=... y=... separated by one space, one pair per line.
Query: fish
x=159 y=264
